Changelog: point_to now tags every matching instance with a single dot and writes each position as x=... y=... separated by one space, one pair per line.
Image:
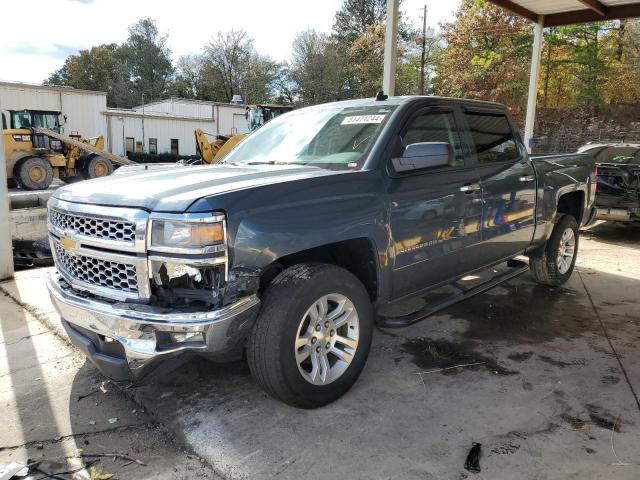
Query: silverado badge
x=68 y=243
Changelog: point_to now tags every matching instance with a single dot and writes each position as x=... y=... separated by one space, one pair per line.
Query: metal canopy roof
x=564 y=12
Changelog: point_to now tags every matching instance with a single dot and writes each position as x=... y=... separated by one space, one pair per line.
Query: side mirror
x=419 y=156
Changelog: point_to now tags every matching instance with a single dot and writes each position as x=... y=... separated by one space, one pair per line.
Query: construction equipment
x=257 y=115
x=213 y=151
x=36 y=152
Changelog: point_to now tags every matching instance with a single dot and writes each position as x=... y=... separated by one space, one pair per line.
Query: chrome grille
x=97 y=272
x=93 y=227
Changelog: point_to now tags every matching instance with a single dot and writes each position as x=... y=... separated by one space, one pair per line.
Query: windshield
x=333 y=137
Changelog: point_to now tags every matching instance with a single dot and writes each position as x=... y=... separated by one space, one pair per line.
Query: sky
x=59 y=28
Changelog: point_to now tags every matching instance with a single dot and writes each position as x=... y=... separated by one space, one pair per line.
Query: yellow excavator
x=36 y=152
x=257 y=115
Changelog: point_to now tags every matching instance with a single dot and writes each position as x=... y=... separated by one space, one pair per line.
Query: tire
x=33 y=173
x=546 y=266
x=286 y=313
x=96 y=166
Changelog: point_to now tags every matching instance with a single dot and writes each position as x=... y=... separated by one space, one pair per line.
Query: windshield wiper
x=274 y=162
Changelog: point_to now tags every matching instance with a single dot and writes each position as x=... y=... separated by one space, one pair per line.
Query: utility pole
x=424 y=49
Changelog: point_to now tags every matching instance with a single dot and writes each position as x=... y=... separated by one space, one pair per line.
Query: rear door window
x=493 y=137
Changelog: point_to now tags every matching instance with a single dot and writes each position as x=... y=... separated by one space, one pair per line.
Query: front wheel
x=33 y=173
x=555 y=263
x=312 y=337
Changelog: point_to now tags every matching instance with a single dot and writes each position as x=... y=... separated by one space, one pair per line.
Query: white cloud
x=60 y=27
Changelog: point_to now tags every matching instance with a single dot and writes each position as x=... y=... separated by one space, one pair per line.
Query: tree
x=487 y=55
x=147 y=59
x=188 y=81
x=232 y=66
x=98 y=69
x=622 y=83
x=316 y=70
x=352 y=20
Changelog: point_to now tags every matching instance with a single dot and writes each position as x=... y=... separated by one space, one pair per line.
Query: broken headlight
x=189 y=233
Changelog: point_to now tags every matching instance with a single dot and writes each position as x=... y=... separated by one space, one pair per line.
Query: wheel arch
x=572 y=203
x=356 y=255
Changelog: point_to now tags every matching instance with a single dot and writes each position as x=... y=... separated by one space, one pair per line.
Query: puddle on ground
x=522 y=312
x=430 y=354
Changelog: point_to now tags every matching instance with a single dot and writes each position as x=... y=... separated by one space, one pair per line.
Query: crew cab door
x=508 y=183
x=436 y=212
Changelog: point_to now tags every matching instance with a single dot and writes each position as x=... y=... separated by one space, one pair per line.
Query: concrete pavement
x=54 y=404
x=549 y=389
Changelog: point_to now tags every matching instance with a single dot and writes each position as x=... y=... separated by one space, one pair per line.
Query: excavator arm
x=213 y=152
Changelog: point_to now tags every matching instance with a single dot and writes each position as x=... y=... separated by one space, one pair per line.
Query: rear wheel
x=33 y=173
x=96 y=166
x=555 y=263
x=312 y=337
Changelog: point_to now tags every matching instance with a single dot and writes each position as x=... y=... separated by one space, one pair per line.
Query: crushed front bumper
x=127 y=341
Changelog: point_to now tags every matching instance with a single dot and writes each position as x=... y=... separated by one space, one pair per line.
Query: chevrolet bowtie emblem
x=68 y=243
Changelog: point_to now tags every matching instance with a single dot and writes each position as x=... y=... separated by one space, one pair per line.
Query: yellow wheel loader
x=257 y=115
x=36 y=152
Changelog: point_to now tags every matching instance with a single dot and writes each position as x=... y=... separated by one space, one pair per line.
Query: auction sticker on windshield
x=359 y=119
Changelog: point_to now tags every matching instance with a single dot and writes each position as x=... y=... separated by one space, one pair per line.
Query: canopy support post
x=536 y=54
x=390 y=48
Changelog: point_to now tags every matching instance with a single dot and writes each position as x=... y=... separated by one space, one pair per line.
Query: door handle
x=470 y=188
x=527 y=178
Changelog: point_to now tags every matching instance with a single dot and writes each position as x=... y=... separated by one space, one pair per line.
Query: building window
x=129 y=144
x=174 y=146
x=138 y=146
x=153 y=146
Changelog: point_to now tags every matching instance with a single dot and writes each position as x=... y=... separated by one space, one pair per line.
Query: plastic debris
x=113 y=420
x=472 y=464
x=8 y=470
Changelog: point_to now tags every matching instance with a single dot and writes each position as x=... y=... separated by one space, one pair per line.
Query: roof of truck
x=401 y=100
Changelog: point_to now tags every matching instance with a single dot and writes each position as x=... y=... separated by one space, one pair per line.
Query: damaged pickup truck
x=291 y=250
x=618 y=198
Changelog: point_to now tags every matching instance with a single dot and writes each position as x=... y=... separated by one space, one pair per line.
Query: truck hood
x=175 y=189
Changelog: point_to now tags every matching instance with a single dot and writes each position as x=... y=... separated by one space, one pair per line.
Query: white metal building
x=81 y=108
x=168 y=126
x=228 y=117
x=165 y=126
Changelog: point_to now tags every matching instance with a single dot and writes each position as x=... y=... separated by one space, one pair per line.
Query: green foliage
x=141 y=67
x=487 y=55
x=355 y=16
x=98 y=69
x=148 y=60
x=317 y=70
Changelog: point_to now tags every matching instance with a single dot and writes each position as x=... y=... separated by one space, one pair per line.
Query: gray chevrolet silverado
x=292 y=249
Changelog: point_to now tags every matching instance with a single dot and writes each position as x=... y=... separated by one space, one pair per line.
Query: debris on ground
x=114 y=456
x=8 y=470
x=113 y=420
x=472 y=464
